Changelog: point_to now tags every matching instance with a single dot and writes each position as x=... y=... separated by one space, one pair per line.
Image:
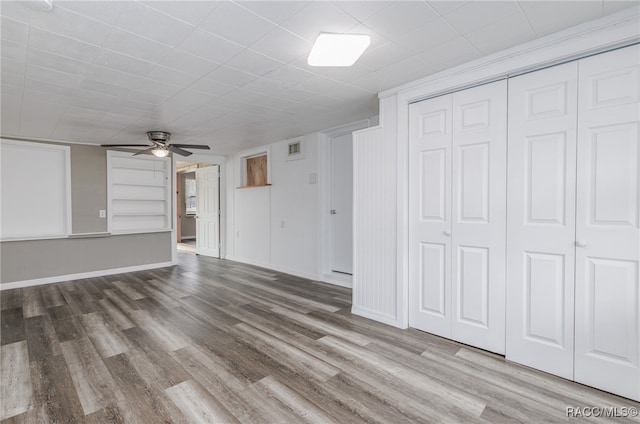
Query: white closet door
x=479 y=216
x=429 y=215
x=607 y=339
x=541 y=219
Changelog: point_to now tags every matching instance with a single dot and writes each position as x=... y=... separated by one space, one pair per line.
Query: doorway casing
x=207 y=160
x=324 y=203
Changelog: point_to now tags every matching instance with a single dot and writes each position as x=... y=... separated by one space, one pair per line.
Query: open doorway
x=198 y=208
x=336 y=203
x=186 y=210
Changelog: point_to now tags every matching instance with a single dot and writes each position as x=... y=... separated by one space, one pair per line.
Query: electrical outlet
x=102 y=213
x=281 y=224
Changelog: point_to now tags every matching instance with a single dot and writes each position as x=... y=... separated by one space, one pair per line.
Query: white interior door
x=457 y=198
x=607 y=339
x=429 y=215
x=541 y=219
x=208 y=211
x=341 y=220
x=478 y=208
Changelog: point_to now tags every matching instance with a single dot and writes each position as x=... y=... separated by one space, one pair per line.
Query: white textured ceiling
x=233 y=74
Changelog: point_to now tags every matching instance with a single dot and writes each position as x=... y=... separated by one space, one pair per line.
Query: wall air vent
x=294 y=150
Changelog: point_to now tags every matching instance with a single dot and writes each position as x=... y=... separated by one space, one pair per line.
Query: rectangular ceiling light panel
x=337 y=49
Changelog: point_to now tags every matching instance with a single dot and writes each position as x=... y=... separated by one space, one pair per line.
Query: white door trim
x=324 y=202
x=208 y=160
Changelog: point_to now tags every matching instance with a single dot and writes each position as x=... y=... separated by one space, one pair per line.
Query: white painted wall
x=294 y=209
x=374 y=290
x=276 y=226
x=253 y=225
x=376 y=294
x=229 y=241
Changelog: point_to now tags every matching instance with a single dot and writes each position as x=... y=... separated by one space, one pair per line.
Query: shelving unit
x=139 y=193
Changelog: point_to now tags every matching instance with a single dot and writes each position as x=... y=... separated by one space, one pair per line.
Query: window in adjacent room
x=190 y=194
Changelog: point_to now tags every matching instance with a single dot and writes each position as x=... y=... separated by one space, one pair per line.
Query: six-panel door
x=572 y=222
x=541 y=219
x=457 y=215
x=478 y=208
x=430 y=215
x=208 y=211
x=607 y=339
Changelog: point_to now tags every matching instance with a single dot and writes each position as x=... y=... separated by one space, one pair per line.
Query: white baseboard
x=283 y=270
x=79 y=276
x=248 y=262
x=376 y=316
x=188 y=238
x=294 y=273
x=337 y=280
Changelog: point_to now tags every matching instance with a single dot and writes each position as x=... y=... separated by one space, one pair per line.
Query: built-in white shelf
x=139 y=193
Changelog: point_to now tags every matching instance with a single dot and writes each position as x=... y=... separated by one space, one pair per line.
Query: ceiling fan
x=161 y=146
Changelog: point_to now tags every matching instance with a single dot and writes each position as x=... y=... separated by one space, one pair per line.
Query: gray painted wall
x=88 y=188
x=32 y=259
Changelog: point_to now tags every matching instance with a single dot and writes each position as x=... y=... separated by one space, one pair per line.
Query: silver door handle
x=581 y=243
x=332 y=212
x=446 y=233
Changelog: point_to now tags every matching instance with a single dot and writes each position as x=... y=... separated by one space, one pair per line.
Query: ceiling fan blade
x=145 y=151
x=124 y=145
x=179 y=151
x=193 y=146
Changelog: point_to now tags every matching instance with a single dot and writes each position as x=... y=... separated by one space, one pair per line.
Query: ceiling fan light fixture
x=163 y=136
x=160 y=145
x=337 y=49
x=160 y=151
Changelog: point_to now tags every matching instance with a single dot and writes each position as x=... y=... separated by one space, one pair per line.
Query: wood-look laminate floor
x=220 y=342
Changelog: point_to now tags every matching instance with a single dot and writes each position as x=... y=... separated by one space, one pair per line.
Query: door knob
x=446 y=233
x=581 y=243
x=332 y=212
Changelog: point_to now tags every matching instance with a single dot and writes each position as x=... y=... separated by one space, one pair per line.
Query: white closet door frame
x=540 y=219
x=478 y=209
x=607 y=297
x=429 y=215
